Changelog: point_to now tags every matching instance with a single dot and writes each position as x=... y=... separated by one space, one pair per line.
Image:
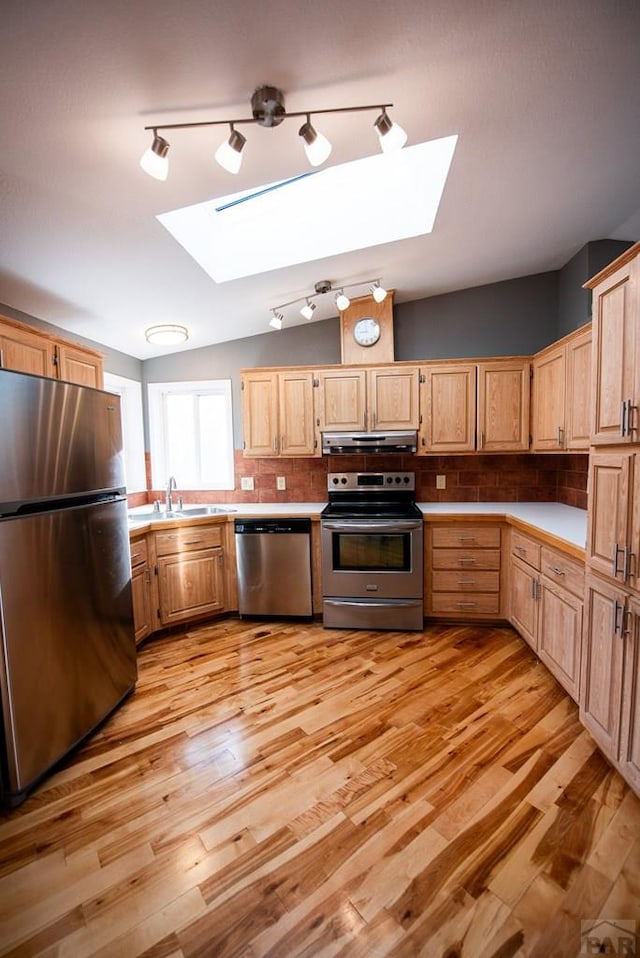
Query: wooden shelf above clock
x=363 y=342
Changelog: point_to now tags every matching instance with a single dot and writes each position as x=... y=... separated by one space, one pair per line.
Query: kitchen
x=362 y=681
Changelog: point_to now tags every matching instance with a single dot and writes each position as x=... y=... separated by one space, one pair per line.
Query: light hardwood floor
x=277 y=789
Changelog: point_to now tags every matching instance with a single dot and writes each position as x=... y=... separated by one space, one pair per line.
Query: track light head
x=392 y=136
x=308 y=309
x=154 y=160
x=276 y=320
x=316 y=146
x=378 y=292
x=342 y=302
x=229 y=153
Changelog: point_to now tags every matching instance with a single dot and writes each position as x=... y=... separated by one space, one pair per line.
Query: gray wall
x=574 y=302
x=516 y=317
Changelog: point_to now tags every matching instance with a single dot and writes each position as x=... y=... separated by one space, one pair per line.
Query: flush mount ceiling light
x=167 y=335
x=322 y=287
x=268 y=109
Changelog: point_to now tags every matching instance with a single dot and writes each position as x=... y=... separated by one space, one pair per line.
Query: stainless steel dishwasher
x=273 y=558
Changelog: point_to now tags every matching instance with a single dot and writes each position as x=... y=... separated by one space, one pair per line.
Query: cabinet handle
x=193 y=542
x=614 y=559
x=617 y=607
x=1 y=358
x=556 y=569
x=626 y=555
x=466 y=581
x=467 y=538
x=463 y=561
x=624 y=417
x=520 y=550
x=534 y=588
x=464 y=605
x=275 y=443
x=481 y=439
x=627 y=617
x=561 y=437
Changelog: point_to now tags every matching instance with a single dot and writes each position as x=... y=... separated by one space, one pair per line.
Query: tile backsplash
x=522 y=477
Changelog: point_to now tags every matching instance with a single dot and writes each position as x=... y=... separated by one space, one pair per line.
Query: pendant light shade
x=392 y=136
x=229 y=154
x=154 y=161
x=316 y=146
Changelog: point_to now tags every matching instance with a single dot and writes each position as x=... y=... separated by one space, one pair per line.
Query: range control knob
x=335 y=480
x=397 y=478
x=406 y=479
x=389 y=479
x=344 y=480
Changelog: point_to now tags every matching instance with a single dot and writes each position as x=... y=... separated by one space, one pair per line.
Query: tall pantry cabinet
x=610 y=675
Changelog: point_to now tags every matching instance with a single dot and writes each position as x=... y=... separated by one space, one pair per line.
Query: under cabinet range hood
x=347 y=443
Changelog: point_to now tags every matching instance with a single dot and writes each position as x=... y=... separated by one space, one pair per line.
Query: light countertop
x=565 y=523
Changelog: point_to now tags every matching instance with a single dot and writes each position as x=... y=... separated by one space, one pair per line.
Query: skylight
x=379 y=199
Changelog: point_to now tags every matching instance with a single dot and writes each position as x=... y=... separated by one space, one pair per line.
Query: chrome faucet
x=171 y=486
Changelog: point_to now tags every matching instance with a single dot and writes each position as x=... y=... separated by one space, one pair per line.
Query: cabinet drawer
x=188 y=539
x=465 y=581
x=466 y=537
x=525 y=548
x=139 y=553
x=564 y=571
x=474 y=604
x=465 y=559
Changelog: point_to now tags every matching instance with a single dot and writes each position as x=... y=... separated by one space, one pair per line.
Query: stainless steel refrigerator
x=67 y=655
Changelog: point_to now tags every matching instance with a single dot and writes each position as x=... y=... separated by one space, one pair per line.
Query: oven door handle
x=367 y=525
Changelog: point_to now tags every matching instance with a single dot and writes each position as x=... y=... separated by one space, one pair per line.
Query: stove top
x=372 y=495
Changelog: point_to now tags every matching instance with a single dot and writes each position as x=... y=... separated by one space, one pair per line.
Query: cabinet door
x=448 y=404
x=260 y=413
x=392 y=398
x=503 y=405
x=578 y=399
x=610 y=477
x=26 y=352
x=560 y=635
x=77 y=365
x=548 y=389
x=630 y=730
x=141 y=599
x=295 y=413
x=341 y=399
x=615 y=332
x=602 y=661
x=523 y=601
x=190 y=584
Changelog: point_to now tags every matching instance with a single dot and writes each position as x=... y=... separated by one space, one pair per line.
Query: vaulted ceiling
x=545 y=99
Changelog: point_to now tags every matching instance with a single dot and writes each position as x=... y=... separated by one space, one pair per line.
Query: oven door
x=372 y=558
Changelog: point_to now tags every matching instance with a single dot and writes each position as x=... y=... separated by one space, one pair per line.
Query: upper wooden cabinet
x=561 y=401
x=278 y=413
x=448 y=408
x=28 y=350
x=616 y=351
x=376 y=399
x=503 y=405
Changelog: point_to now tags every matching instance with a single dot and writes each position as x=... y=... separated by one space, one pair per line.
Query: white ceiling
x=545 y=98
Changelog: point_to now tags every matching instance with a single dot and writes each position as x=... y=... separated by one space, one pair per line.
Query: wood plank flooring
x=278 y=789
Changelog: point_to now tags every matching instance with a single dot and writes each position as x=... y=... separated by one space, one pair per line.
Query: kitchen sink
x=183 y=513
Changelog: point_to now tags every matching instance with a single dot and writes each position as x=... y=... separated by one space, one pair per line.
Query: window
x=191 y=434
x=130 y=393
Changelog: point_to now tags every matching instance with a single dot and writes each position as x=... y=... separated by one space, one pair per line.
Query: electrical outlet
x=441 y=482
x=281 y=482
x=246 y=483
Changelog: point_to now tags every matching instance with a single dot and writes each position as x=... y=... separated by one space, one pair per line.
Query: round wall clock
x=366 y=331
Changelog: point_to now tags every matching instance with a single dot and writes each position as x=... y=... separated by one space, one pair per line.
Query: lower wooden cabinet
x=191 y=575
x=610 y=680
x=545 y=606
x=463 y=571
x=141 y=590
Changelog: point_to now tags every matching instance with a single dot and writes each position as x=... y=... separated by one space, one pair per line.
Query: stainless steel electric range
x=372 y=552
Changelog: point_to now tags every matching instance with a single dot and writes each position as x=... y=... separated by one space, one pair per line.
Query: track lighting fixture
x=308 y=309
x=316 y=146
x=168 y=334
x=154 y=160
x=378 y=292
x=268 y=109
x=342 y=302
x=322 y=287
x=392 y=136
x=229 y=153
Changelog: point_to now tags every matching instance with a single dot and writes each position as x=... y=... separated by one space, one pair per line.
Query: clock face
x=366 y=332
